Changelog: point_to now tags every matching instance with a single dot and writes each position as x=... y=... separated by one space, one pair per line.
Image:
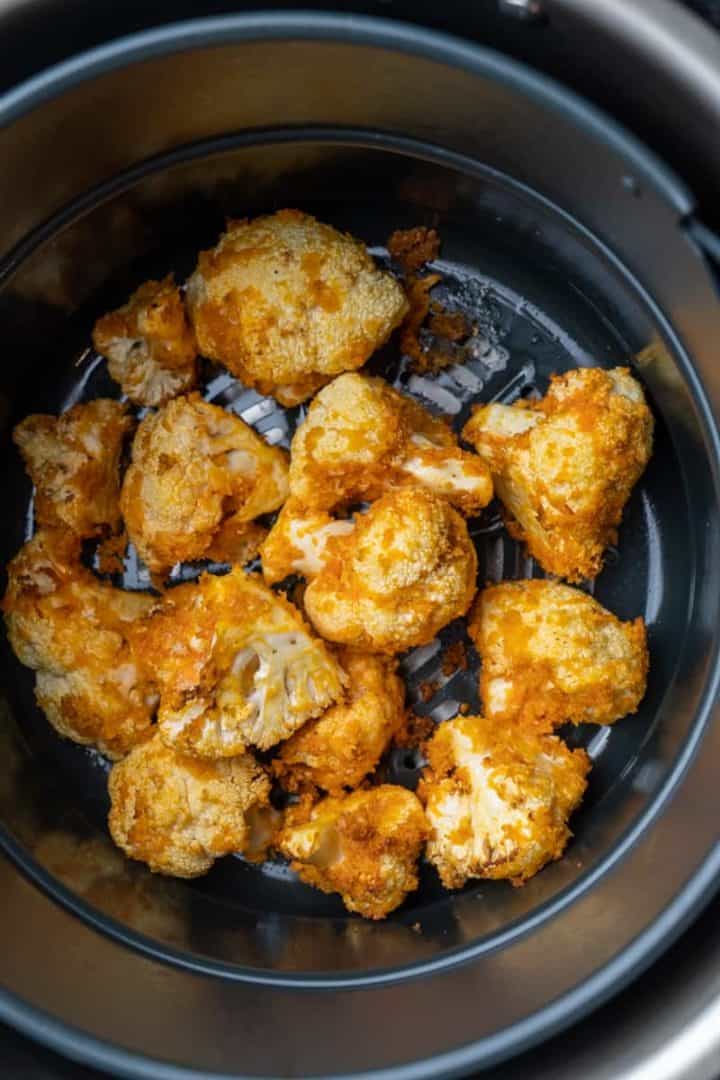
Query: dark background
x=22 y=1060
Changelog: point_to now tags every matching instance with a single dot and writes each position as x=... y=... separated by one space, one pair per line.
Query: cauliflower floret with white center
x=198 y=479
x=149 y=344
x=286 y=303
x=565 y=466
x=361 y=437
x=498 y=799
x=74 y=462
x=338 y=749
x=406 y=570
x=75 y=632
x=364 y=846
x=551 y=654
x=299 y=541
x=236 y=666
x=178 y=814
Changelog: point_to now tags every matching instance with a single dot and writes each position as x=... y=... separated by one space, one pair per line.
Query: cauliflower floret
x=362 y=437
x=299 y=542
x=364 y=846
x=286 y=303
x=342 y=746
x=236 y=666
x=497 y=799
x=407 y=569
x=551 y=654
x=149 y=344
x=178 y=814
x=565 y=466
x=74 y=462
x=198 y=478
x=74 y=631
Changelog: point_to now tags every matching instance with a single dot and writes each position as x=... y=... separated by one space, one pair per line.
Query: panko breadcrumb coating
x=364 y=846
x=74 y=462
x=236 y=666
x=551 y=654
x=497 y=799
x=565 y=466
x=178 y=814
x=199 y=476
x=361 y=437
x=286 y=303
x=300 y=542
x=339 y=748
x=74 y=630
x=407 y=569
x=149 y=344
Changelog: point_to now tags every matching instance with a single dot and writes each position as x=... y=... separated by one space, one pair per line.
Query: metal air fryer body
x=572 y=243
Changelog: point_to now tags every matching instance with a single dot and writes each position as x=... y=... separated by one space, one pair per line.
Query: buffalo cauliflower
x=178 y=814
x=74 y=462
x=497 y=799
x=565 y=466
x=286 y=303
x=362 y=437
x=406 y=570
x=551 y=654
x=364 y=846
x=149 y=344
x=236 y=666
x=300 y=542
x=339 y=748
x=199 y=477
x=75 y=631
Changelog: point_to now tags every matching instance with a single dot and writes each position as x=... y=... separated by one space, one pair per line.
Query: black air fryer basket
x=568 y=243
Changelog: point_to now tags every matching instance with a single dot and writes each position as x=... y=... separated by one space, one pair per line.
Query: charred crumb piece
x=413 y=248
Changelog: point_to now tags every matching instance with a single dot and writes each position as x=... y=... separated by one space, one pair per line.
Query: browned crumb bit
x=464 y=709
x=418 y=294
x=451 y=325
x=454 y=658
x=412 y=248
x=110 y=553
x=428 y=689
x=416 y=928
x=415 y=731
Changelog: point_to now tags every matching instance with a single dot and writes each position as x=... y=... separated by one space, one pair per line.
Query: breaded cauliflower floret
x=551 y=654
x=340 y=748
x=362 y=437
x=236 y=666
x=149 y=344
x=286 y=303
x=407 y=569
x=178 y=814
x=199 y=476
x=300 y=542
x=74 y=631
x=497 y=799
x=565 y=466
x=74 y=462
x=364 y=846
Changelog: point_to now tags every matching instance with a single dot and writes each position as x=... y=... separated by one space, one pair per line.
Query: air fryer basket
x=568 y=244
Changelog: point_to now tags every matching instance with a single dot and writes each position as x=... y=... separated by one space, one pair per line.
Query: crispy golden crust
x=149 y=344
x=407 y=569
x=497 y=799
x=236 y=666
x=551 y=654
x=74 y=462
x=565 y=466
x=364 y=846
x=178 y=814
x=74 y=631
x=339 y=748
x=286 y=303
x=198 y=478
x=361 y=437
